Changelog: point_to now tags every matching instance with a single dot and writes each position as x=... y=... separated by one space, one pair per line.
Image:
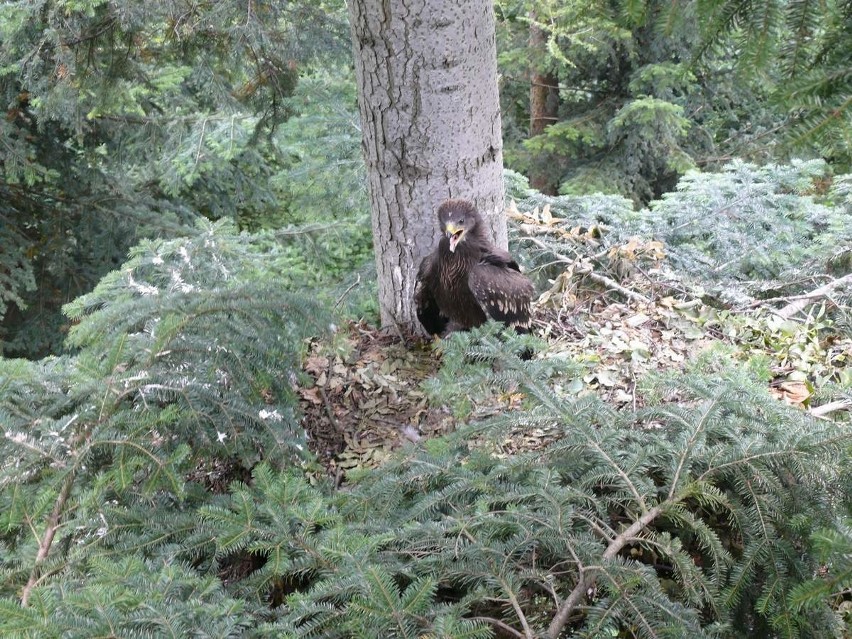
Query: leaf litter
x=362 y=399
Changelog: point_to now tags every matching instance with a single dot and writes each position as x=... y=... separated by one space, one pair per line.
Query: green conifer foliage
x=180 y=360
x=754 y=230
x=128 y=597
x=125 y=120
x=648 y=89
x=803 y=51
x=635 y=109
x=742 y=233
x=834 y=581
x=680 y=519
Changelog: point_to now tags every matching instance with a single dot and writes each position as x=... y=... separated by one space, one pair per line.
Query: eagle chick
x=467 y=280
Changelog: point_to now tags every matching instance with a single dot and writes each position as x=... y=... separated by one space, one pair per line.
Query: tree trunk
x=430 y=117
x=544 y=102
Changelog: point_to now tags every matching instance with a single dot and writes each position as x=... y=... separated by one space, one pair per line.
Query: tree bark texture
x=544 y=101
x=430 y=117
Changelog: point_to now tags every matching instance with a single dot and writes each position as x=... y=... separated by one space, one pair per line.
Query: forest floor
x=362 y=394
x=363 y=399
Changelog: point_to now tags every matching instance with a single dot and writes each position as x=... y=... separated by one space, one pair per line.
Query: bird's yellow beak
x=454 y=234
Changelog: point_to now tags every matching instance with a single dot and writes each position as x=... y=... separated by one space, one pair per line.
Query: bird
x=467 y=280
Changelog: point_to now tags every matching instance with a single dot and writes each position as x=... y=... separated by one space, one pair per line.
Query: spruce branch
x=587 y=271
x=503 y=627
x=698 y=428
x=513 y=600
x=347 y=291
x=54 y=521
x=587 y=577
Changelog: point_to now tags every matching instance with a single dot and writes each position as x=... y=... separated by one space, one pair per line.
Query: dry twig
x=597 y=277
x=803 y=301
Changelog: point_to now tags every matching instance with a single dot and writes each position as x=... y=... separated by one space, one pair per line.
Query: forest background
x=185 y=224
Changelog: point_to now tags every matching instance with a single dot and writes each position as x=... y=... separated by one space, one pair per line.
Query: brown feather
x=464 y=285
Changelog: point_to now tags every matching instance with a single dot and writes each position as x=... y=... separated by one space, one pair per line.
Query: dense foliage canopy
x=128 y=120
x=646 y=90
x=183 y=218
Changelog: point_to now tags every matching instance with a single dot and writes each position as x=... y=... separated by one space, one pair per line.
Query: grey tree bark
x=430 y=117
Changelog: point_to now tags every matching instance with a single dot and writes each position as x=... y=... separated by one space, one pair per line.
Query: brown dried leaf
x=311 y=394
x=793 y=392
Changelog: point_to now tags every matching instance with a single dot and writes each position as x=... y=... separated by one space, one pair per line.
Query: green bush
x=180 y=362
x=681 y=519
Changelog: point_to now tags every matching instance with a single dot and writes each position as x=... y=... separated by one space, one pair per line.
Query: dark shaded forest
x=207 y=433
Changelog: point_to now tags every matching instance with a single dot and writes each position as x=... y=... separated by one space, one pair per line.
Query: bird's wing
x=504 y=294
x=501 y=258
x=426 y=306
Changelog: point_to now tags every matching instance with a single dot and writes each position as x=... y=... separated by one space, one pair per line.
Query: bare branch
x=53 y=524
x=831 y=407
x=597 y=277
x=587 y=577
x=500 y=625
x=804 y=300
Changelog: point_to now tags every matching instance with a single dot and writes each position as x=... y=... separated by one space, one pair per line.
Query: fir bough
x=833 y=582
x=182 y=359
x=742 y=233
x=127 y=597
x=683 y=519
x=484 y=362
x=126 y=120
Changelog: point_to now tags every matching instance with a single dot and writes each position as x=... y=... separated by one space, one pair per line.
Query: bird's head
x=458 y=219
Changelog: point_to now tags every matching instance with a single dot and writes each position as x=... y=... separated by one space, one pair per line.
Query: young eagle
x=468 y=280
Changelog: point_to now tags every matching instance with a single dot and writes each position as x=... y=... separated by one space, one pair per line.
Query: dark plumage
x=468 y=280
